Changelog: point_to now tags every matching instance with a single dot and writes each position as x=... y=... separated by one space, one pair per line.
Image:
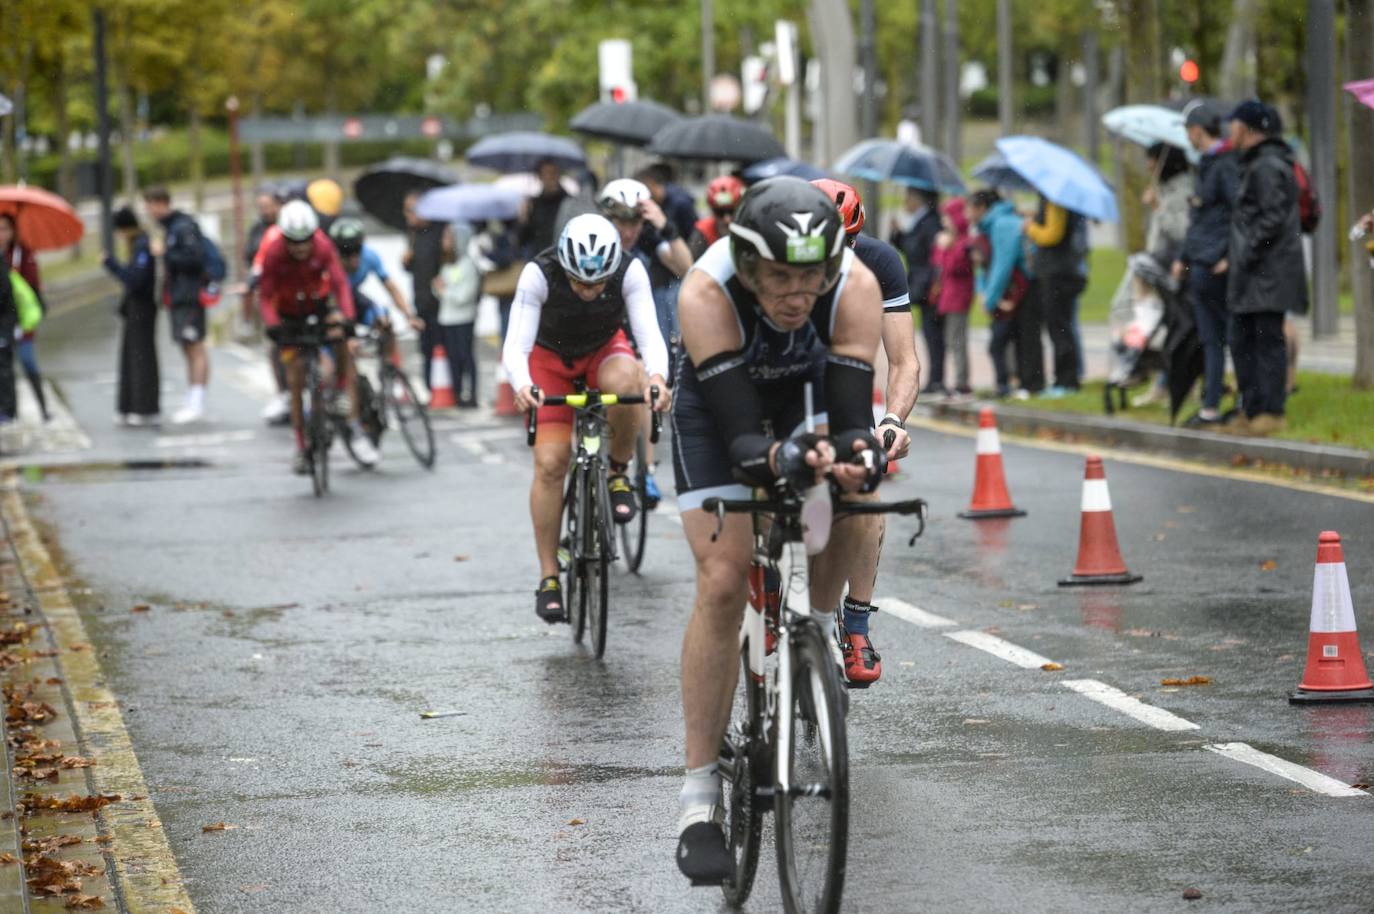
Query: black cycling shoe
x=623 y=507
x=548 y=601
x=703 y=856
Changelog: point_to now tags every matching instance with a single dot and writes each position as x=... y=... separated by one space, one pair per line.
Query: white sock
x=826 y=619
x=195 y=397
x=700 y=791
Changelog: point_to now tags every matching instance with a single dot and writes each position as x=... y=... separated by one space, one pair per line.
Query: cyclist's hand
x=355 y=345
x=665 y=395
x=525 y=398
x=804 y=460
x=901 y=441
x=864 y=469
x=652 y=212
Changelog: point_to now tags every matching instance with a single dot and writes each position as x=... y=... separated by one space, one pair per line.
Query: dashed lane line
x=914 y=614
x=998 y=647
x=1312 y=780
x=1118 y=700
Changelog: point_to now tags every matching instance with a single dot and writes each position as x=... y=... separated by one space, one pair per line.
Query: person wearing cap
x=1201 y=265
x=1265 y=271
x=137 y=400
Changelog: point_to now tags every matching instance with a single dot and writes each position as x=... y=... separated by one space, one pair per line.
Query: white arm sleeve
x=639 y=303
x=530 y=293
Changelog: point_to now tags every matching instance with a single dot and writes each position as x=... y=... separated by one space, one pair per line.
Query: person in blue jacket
x=137 y=402
x=1002 y=274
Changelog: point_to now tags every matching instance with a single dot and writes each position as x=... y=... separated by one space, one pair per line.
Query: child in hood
x=953 y=291
x=458 y=288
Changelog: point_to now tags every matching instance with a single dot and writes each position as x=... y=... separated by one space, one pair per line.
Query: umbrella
x=772 y=168
x=994 y=172
x=43 y=221
x=527 y=185
x=6 y=106
x=633 y=123
x=469 y=203
x=1147 y=125
x=1363 y=90
x=1183 y=354
x=523 y=151
x=1060 y=175
x=715 y=138
x=901 y=163
x=382 y=188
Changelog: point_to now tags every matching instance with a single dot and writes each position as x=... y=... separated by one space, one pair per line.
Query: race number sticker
x=806 y=249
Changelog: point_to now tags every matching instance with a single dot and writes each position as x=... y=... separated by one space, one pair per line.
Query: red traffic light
x=618 y=95
x=1188 y=72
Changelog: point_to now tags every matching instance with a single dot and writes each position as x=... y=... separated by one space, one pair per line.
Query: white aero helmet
x=620 y=198
x=297 y=221
x=589 y=248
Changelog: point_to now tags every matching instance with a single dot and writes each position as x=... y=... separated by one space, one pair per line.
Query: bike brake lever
x=532 y=420
x=720 y=522
x=655 y=417
x=920 y=524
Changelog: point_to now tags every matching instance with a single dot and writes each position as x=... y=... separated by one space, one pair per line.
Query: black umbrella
x=523 y=150
x=632 y=123
x=382 y=188
x=1183 y=357
x=715 y=138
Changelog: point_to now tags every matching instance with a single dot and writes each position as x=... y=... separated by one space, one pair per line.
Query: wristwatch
x=893 y=419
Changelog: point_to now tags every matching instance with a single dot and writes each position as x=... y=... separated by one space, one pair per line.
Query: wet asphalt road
x=277 y=682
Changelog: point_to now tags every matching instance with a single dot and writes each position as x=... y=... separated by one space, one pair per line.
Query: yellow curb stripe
x=148 y=879
x=1175 y=464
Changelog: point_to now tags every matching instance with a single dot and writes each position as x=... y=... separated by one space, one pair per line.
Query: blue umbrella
x=994 y=172
x=1146 y=125
x=772 y=168
x=469 y=203
x=1060 y=175
x=523 y=151
x=900 y=163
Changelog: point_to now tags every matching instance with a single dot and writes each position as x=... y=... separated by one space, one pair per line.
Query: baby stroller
x=1138 y=327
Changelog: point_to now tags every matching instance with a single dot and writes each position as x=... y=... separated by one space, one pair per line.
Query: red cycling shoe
x=862 y=664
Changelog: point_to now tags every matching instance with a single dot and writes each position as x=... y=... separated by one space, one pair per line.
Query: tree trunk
x=197 y=161
x=66 y=170
x=930 y=75
x=255 y=150
x=954 y=138
x=1238 y=60
x=1143 y=85
x=833 y=34
x=1066 y=55
x=1006 y=76
x=128 y=135
x=1359 y=63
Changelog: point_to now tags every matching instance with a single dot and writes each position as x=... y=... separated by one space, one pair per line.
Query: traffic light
x=1188 y=71
x=618 y=95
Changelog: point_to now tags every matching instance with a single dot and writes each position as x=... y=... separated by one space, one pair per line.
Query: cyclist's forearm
x=397 y=298
x=903 y=365
x=734 y=402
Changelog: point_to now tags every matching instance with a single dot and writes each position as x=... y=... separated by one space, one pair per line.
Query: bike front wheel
x=412 y=417
x=635 y=534
x=575 y=591
x=597 y=561
x=813 y=814
x=318 y=431
x=743 y=763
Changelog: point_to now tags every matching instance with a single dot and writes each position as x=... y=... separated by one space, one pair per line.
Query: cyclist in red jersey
x=301 y=277
x=722 y=195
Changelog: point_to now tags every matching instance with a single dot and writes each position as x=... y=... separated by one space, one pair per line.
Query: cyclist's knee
x=550 y=464
x=723 y=585
x=622 y=376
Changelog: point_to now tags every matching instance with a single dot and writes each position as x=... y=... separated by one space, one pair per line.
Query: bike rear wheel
x=367 y=418
x=411 y=415
x=744 y=762
x=318 y=430
x=635 y=534
x=813 y=815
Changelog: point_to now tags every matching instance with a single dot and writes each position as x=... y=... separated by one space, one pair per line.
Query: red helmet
x=847 y=201
x=723 y=194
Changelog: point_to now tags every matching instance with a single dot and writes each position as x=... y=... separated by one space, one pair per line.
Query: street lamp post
x=1005 y=85
x=1321 y=109
x=231 y=105
x=102 y=120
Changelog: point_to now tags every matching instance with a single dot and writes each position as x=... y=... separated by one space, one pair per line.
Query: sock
x=195 y=397
x=825 y=618
x=856 y=616
x=617 y=469
x=700 y=791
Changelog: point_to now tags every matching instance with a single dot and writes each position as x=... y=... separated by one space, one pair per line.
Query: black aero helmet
x=789 y=221
x=347 y=234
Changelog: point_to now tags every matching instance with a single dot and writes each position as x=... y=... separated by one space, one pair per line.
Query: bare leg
x=551 y=454
x=622 y=376
x=197 y=363
x=710 y=648
x=294 y=369
x=851 y=556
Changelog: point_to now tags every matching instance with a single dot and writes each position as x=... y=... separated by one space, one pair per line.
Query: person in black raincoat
x=137 y=402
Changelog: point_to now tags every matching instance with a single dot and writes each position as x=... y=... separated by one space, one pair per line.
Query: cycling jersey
x=369 y=264
x=291 y=288
x=886 y=264
x=548 y=313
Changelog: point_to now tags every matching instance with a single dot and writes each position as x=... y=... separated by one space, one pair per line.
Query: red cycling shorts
x=555 y=377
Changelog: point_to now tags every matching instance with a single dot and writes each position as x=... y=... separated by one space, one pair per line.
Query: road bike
x=391 y=401
x=305 y=339
x=588 y=542
x=786 y=748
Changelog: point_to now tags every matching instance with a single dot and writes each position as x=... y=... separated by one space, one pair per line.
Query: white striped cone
x=1099 y=555
x=440 y=380
x=990 y=495
x=1334 y=661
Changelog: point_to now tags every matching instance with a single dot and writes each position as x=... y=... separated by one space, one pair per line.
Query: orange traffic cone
x=990 y=495
x=1099 y=556
x=1335 y=667
x=440 y=381
x=505 y=395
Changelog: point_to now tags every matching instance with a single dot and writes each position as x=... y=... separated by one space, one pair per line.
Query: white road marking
x=669 y=511
x=210 y=439
x=913 y=614
x=1312 y=780
x=997 y=647
x=479 y=450
x=1118 y=700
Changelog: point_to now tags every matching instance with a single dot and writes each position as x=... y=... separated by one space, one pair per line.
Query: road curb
x=143 y=873
x=1175 y=442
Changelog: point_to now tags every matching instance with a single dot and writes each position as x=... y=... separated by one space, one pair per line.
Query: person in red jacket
x=953 y=293
x=301 y=277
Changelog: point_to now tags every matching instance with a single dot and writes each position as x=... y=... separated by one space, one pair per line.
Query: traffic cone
x=505 y=395
x=440 y=381
x=1099 y=556
x=1335 y=667
x=990 y=495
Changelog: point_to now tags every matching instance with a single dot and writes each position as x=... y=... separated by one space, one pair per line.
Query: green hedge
x=1031 y=101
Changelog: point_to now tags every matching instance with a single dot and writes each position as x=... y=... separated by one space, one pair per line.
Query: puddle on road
x=439 y=775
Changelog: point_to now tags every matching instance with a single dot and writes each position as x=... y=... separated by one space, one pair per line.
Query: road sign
x=615 y=61
x=353 y=129
x=362 y=127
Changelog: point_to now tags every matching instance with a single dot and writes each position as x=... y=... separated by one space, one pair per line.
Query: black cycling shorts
x=188 y=324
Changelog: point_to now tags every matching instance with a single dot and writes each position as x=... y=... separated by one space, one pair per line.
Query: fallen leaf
x=80 y=646
x=140 y=608
x=976 y=720
x=1190 y=681
x=76 y=761
x=1051 y=667
x=461 y=558
x=577 y=821
x=1185 y=509
x=7 y=859
x=54 y=680
x=1268 y=565
x=1192 y=894
x=73 y=803
x=218 y=826
x=84 y=903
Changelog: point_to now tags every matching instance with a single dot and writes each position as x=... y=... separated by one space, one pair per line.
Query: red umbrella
x=44 y=221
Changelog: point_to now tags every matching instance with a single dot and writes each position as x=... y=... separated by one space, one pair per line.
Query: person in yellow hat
x=326 y=198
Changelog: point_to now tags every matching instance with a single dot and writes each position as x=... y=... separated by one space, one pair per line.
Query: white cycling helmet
x=620 y=198
x=589 y=248
x=297 y=221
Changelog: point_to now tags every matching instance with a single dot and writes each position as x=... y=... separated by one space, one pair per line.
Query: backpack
x=1309 y=207
x=215 y=267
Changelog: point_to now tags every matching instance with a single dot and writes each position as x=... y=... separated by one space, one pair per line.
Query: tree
x=1359 y=63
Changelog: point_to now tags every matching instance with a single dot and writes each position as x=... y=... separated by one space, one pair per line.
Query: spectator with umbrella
x=1002 y=282
x=21 y=259
x=1059 y=263
x=137 y=401
x=541 y=213
x=913 y=233
x=424 y=257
